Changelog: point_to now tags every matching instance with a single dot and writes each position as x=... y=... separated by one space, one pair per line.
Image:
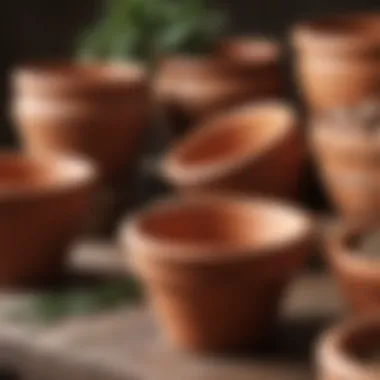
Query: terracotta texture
x=215 y=268
x=256 y=148
x=349 y=168
x=358 y=275
x=96 y=110
x=343 y=351
x=43 y=205
x=193 y=88
x=257 y=60
x=338 y=60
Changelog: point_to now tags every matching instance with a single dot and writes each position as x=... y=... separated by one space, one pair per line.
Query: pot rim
x=350 y=258
x=87 y=74
x=75 y=172
x=250 y=42
x=312 y=35
x=131 y=232
x=334 y=355
x=174 y=170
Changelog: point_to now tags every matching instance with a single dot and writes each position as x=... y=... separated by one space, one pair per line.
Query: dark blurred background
x=45 y=28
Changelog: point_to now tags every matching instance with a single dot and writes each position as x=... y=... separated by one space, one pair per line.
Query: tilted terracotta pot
x=98 y=110
x=338 y=60
x=254 y=148
x=193 y=88
x=348 y=166
x=43 y=205
x=358 y=275
x=215 y=268
x=349 y=351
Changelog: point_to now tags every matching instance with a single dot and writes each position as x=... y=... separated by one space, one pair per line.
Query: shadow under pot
x=194 y=88
x=257 y=148
x=350 y=350
x=348 y=164
x=44 y=204
x=256 y=59
x=338 y=60
x=215 y=268
x=91 y=109
x=354 y=256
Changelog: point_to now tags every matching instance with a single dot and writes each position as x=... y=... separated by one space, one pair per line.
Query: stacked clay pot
x=96 y=110
x=255 y=148
x=44 y=203
x=350 y=351
x=338 y=60
x=194 y=88
x=349 y=253
x=216 y=267
x=346 y=147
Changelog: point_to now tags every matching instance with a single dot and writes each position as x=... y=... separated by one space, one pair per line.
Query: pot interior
x=223 y=225
x=24 y=174
x=235 y=137
x=363 y=345
x=365 y=244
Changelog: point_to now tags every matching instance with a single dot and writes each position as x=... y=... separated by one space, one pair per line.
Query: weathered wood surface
x=126 y=344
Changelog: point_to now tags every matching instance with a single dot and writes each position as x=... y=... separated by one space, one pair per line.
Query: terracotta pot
x=43 y=205
x=216 y=267
x=194 y=88
x=97 y=110
x=257 y=60
x=358 y=274
x=338 y=60
x=348 y=167
x=348 y=351
x=255 y=148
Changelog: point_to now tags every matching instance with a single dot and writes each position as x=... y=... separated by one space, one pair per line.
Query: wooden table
x=126 y=344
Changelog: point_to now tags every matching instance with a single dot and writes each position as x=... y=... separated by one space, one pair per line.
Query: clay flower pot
x=191 y=89
x=258 y=61
x=338 y=60
x=96 y=110
x=348 y=166
x=254 y=148
x=43 y=205
x=358 y=273
x=350 y=351
x=215 y=268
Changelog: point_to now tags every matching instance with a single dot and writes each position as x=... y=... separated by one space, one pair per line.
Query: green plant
x=52 y=307
x=146 y=29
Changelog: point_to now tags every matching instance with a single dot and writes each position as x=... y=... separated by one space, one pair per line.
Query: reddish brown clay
x=43 y=205
x=348 y=167
x=357 y=274
x=194 y=88
x=97 y=110
x=216 y=267
x=257 y=60
x=350 y=351
x=338 y=60
x=255 y=148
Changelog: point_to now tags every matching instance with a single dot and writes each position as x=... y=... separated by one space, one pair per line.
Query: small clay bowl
x=358 y=274
x=215 y=267
x=98 y=110
x=351 y=350
x=338 y=61
x=256 y=148
x=43 y=206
